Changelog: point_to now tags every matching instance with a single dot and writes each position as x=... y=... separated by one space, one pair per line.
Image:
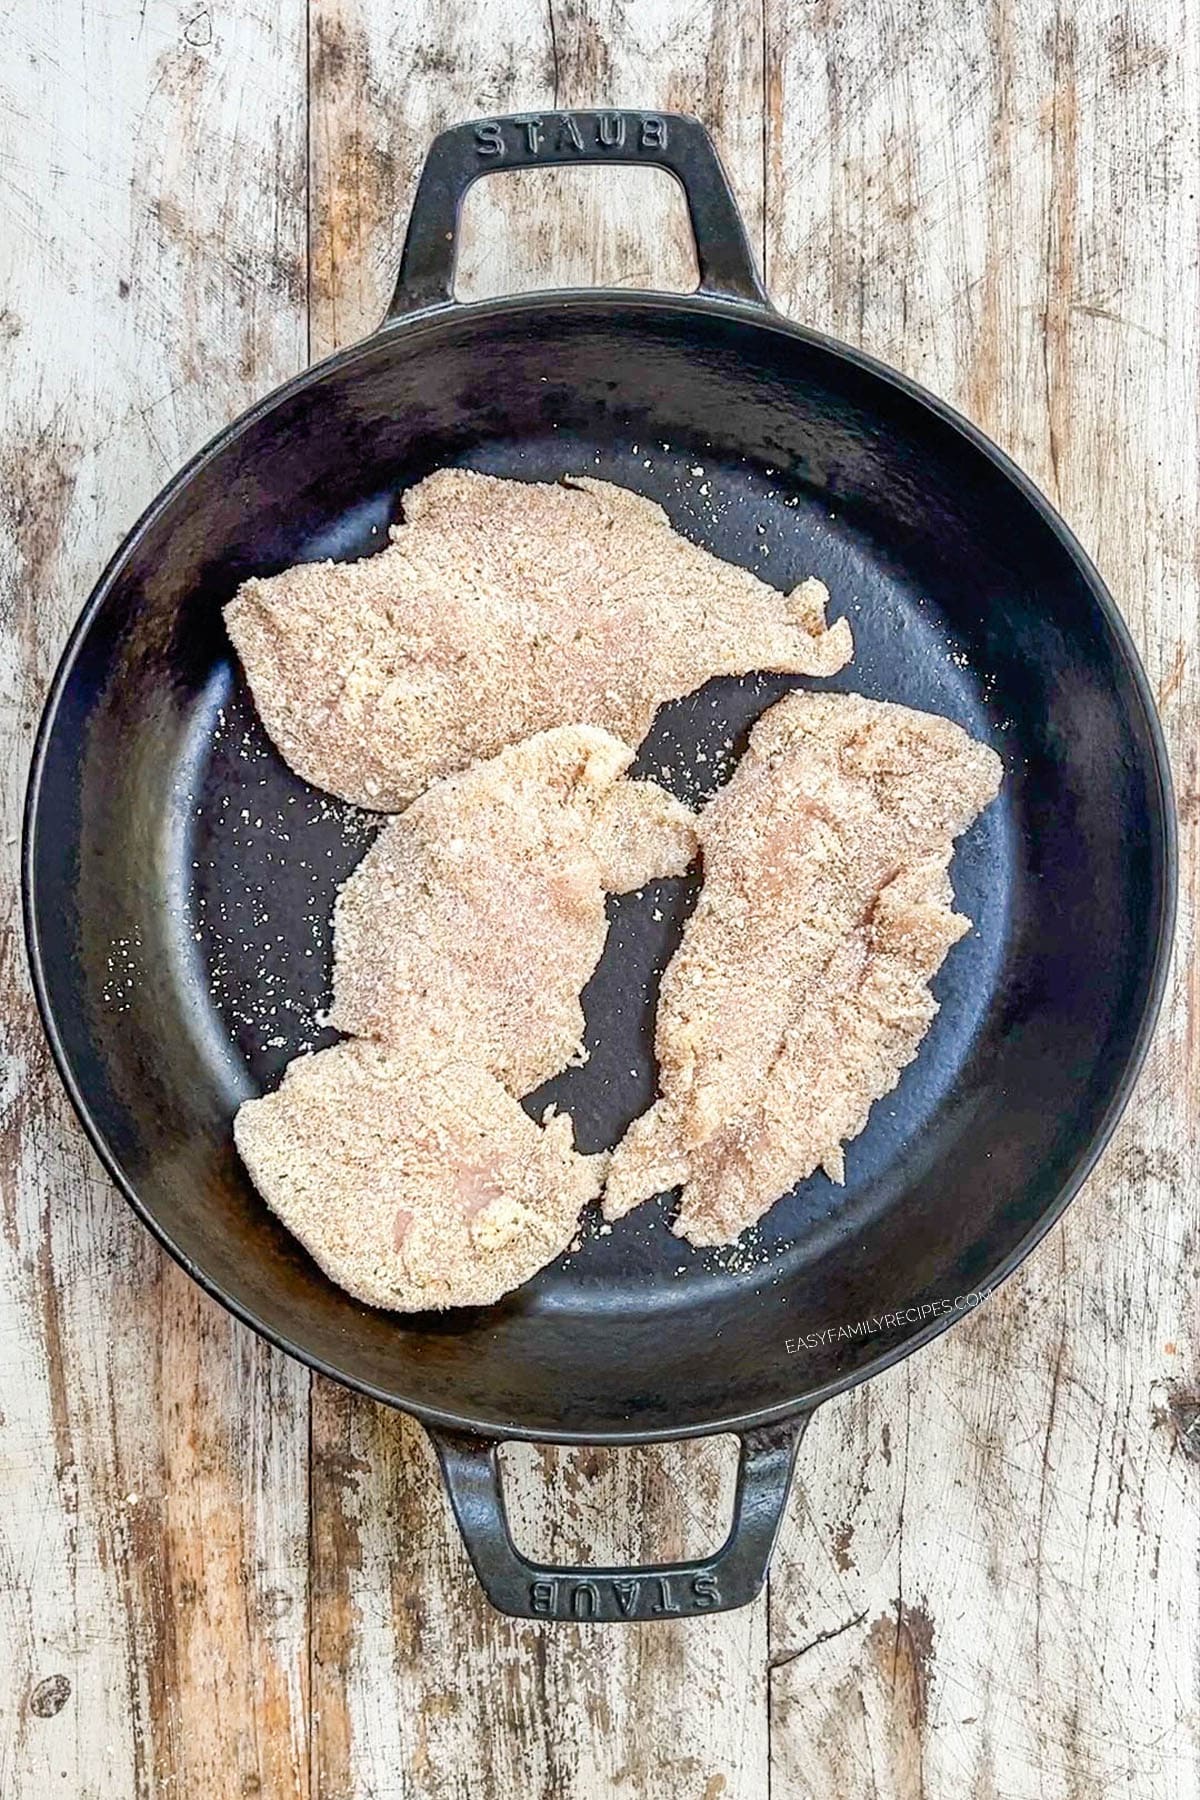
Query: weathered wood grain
x=153 y=1519
x=420 y=1687
x=991 y=1583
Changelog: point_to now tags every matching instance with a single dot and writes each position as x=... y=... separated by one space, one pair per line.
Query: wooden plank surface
x=989 y=1581
x=654 y=1709
x=998 y=1571
x=153 y=1522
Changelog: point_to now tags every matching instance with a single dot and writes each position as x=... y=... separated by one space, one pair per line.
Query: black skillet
x=179 y=879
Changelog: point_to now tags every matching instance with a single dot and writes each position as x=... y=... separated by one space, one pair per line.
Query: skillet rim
x=413 y=326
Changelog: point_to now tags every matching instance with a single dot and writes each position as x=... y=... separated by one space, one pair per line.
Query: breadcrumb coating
x=412 y=1187
x=472 y=924
x=500 y=609
x=800 y=989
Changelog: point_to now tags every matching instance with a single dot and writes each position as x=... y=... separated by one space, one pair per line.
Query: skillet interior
x=181 y=879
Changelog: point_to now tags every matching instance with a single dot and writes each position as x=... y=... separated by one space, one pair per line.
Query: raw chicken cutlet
x=469 y=928
x=800 y=988
x=413 y=1188
x=500 y=609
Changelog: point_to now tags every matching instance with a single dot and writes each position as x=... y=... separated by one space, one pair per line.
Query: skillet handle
x=671 y=141
x=731 y=1577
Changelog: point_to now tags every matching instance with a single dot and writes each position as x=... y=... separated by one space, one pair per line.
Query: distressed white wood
x=153 y=1506
x=988 y=1583
x=421 y=1688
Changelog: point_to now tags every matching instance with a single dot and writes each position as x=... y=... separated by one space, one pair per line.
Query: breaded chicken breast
x=500 y=609
x=473 y=922
x=414 y=1188
x=800 y=988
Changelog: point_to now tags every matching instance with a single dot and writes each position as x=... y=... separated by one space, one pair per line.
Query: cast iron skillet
x=179 y=879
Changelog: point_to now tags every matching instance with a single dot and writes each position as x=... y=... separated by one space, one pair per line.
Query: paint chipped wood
x=154 y=1631
x=988 y=1581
